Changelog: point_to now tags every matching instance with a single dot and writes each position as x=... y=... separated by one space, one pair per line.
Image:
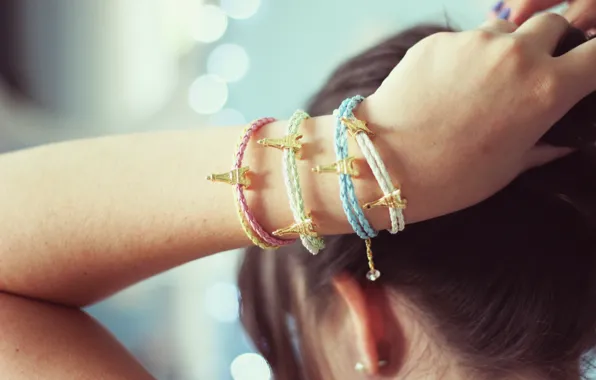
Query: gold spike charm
x=345 y=166
x=356 y=126
x=304 y=228
x=291 y=142
x=392 y=200
x=234 y=177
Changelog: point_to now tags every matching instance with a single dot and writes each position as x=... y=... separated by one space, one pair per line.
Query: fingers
x=578 y=68
x=519 y=11
x=582 y=14
x=523 y=10
x=500 y=10
x=543 y=154
x=545 y=30
x=499 y=26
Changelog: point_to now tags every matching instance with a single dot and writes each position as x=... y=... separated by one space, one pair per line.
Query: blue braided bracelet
x=347 y=193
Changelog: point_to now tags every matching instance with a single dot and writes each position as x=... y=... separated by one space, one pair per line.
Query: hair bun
x=577 y=129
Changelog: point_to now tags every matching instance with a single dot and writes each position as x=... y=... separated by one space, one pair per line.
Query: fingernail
x=498 y=6
x=505 y=13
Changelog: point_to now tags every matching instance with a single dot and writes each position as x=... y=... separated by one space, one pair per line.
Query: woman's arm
x=81 y=220
x=43 y=341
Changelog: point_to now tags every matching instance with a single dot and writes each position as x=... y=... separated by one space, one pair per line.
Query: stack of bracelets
x=303 y=225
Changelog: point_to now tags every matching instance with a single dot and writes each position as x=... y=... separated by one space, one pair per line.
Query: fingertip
x=560 y=152
x=505 y=14
x=498 y=7
x=544 y=154
x=495 y=10
x=520 y=15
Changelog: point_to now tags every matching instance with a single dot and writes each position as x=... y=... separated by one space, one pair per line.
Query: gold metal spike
x=356 y=126
x=345 y=166
x=305 y=228
x=233 y=177
x=392 y=200
x=291 y=142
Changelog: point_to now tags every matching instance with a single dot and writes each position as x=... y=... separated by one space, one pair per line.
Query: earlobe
x=365 y=313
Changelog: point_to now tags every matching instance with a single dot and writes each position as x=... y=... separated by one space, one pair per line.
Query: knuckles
x=553 y=18
x=507 y=55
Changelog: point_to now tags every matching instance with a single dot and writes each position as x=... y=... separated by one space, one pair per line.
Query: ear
x=367 y=307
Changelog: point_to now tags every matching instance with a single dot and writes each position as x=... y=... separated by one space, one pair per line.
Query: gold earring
x=360 y=367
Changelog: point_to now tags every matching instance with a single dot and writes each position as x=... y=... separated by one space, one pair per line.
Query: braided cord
x=347 y=192
x=255 y=232
x=313 y=243
x=378 y=168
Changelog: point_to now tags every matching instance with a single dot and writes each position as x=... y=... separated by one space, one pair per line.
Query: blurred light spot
x=240 y=9
x=229 y=61
x=208 y=94
x=210 y=25
x=221 y=302
x=250 y=367
x=227 y=117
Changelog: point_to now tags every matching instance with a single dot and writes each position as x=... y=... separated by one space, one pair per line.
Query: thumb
x=543 y=154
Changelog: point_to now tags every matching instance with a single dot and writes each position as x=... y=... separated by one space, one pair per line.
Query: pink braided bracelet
x=248 y=215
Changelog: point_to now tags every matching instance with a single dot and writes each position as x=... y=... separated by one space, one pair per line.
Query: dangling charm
x=373 y=274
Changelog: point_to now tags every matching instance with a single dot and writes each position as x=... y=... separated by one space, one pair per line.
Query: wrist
x=393 y=142
x=322 y=190
x=268 y=197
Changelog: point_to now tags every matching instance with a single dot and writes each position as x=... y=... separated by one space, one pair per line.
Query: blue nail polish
x=505 y=13
x=498 y=6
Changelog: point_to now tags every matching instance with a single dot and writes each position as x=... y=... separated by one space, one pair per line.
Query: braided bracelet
x=237 y=177
x=392 y=198
x=344 y=167
x=290 y=145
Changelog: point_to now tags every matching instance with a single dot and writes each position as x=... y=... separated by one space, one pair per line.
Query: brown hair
x=510 y=284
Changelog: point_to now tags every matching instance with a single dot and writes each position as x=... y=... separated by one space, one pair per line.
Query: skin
x=581 y=13
x=124 y=208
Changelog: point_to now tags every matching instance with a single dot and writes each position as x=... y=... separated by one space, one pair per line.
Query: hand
x=581 y=13
x=463 y=111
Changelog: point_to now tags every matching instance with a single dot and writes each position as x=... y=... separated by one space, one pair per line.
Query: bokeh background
x=81 y=68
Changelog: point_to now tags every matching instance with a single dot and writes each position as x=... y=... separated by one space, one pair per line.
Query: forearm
x=82 y=220
x=43 y=341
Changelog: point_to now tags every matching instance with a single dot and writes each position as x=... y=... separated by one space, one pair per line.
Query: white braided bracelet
x=391 y=195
